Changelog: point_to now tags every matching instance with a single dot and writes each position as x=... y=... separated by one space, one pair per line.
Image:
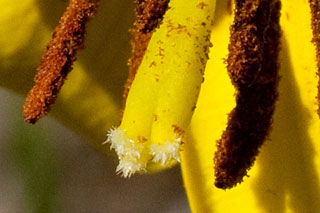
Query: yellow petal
x=285 y=177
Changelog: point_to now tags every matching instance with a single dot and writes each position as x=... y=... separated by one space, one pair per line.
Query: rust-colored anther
x=253 y=68
x=315 y=23
x=149 y=14
x=58 y=58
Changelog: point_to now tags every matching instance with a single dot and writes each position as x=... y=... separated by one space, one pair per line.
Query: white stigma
x=128 y=151
x=166 y=152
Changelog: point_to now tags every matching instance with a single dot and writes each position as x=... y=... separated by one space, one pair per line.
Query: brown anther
x=58 y=58
x=253 y=68
x=315 y=23
x=149 y=14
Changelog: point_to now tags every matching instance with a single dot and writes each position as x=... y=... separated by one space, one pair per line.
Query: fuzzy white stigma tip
x=129 y=166
x=128 y=151
x=166 y=152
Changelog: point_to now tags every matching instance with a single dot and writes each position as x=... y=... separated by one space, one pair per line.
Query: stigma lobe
x=253 y=68
x=58 y=58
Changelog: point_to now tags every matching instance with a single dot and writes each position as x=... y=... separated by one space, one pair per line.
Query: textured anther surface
x=58 y=58
x=253 y=69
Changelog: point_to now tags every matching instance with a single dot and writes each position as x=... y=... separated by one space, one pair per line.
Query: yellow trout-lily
x=165 y=120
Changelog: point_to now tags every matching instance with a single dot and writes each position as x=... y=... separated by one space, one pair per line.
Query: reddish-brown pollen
x=58 y=58
x=253 y=68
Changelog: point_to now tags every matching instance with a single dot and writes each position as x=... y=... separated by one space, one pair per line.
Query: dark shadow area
x=52 y=10
x=108 y=46
x=22 y=67
x=223 y=8
x=288 y=172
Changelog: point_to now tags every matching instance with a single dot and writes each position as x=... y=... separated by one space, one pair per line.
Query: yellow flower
x=285 y=177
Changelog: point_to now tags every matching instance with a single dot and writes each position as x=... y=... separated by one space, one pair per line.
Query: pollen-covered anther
x=252 y=65
x=128 y=151
x=166 y=152
x=56 y=62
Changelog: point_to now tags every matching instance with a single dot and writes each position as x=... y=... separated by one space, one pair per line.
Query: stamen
x=315 y=23
x=58 y=58
x=253 y=69
x=149 y=14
